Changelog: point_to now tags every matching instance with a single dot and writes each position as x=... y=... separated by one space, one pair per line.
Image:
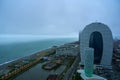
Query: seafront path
x=20 y=65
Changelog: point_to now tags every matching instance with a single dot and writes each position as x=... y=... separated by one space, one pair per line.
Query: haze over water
x=15 y=47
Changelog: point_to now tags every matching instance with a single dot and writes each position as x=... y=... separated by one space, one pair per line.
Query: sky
x=57 y=17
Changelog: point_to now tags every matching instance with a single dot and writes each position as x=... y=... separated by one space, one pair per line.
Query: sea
x=12 y=48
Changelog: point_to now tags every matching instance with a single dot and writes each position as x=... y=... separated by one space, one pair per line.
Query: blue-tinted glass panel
x=96 y=42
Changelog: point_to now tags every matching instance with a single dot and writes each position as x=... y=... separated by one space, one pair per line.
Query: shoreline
x=14 y=67
x=33 y=55
x=37 y=52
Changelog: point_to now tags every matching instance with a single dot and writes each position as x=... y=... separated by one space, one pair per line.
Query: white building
x=97 y=36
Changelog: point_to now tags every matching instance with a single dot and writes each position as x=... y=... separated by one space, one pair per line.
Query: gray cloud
x=56 y=17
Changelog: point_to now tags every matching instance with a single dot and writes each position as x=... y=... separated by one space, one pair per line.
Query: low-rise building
x=68 y=49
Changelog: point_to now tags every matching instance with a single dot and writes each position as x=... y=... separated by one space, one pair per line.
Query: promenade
x=15 y=67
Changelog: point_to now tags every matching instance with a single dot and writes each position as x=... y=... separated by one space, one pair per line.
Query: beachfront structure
x=99 y=37
x=88 y=65
x=68 y=49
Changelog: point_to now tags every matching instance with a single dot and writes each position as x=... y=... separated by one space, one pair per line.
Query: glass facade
x=98 y=36
x=88 y=65
x=96 y=42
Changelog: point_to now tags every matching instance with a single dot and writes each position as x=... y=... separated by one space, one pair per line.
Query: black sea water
x=16 y=47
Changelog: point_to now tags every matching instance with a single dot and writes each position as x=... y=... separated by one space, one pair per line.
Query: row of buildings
x=68 y=49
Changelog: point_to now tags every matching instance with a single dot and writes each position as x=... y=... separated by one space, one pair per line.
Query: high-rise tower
x=99 y=37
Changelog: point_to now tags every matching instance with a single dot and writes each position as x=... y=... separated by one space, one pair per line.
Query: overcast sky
x=56 y=17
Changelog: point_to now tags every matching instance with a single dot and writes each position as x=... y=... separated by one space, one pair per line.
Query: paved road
x=71 y=71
